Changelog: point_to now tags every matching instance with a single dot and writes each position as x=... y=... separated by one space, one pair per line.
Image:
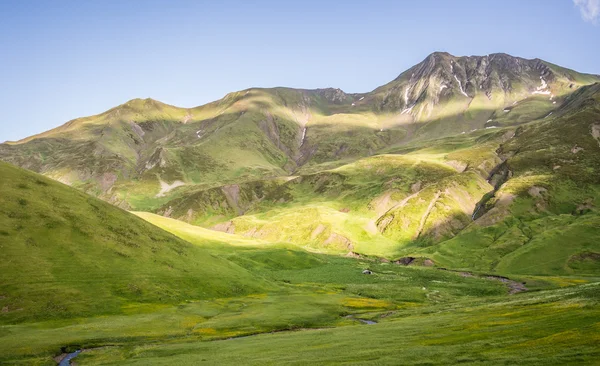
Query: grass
x=65 y=255
x=550 y=327
x=241 y=287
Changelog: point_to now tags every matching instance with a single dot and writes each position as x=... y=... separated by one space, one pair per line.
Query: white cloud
x=590 y=10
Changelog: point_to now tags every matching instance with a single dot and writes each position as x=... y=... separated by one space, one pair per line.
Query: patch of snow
x=381 y=130
x=515 y=102
x=353 y=104
x=361 y=98
x=487 y=128
x=506 y=110
x=554 y=102
x=442 y=87
x=460 y=86
x=474 y=130
x=549 y=114
x=543 y=89
x=406 y=95
x=166 y=187
x=303 y=136
x=462 y=133
x=489 y=120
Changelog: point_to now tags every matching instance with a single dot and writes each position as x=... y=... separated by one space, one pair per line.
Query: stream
x=67 y=360
x=364 y=321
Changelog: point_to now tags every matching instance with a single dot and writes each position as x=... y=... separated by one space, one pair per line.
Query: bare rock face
x=226 y=227
x=441 y=77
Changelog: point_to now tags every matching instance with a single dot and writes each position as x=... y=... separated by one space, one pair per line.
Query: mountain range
x=415 y=160
x=451 y=205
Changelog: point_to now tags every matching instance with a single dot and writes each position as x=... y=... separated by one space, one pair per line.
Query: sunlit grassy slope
x=503 y=199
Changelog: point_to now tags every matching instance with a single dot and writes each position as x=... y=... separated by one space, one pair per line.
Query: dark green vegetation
x=461 y=184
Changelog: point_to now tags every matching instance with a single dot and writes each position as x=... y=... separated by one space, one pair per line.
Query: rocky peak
x=442 y=76
x=334 y=95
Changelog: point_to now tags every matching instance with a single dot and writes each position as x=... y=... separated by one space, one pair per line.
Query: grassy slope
x=65 y=254
x=552 y=223
x=357 y=206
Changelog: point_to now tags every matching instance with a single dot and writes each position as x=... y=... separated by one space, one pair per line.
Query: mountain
x=66 y=254
x=456 y=205
x=414 y=165
x=135 y=153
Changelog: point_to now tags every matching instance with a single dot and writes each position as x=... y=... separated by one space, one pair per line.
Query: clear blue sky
x=64 y=59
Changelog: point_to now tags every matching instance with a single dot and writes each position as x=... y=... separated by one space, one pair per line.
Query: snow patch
x=460 y=86
x=549 y=114
x=361 y=98
x=303 y=136
x=442 y=87
x=543 y=89
x=166 y=187
x=506 y=110
x=353 y=104
x=487 y=128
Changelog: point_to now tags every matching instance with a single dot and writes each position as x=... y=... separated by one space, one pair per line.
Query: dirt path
x=514 y=287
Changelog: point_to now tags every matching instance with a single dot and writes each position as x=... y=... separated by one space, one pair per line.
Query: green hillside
x=66 y=255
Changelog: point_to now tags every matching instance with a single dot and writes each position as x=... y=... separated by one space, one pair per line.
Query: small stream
x=67 y=360
x=365 y=321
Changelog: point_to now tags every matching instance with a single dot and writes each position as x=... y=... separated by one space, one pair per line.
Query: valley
x=449 y=216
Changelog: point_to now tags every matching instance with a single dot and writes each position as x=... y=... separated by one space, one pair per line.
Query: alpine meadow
x=451 y=215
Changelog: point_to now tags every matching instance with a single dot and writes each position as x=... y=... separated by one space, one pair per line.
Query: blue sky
x=65 y=59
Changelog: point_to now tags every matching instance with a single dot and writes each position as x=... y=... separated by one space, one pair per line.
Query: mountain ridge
x=336 y=94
